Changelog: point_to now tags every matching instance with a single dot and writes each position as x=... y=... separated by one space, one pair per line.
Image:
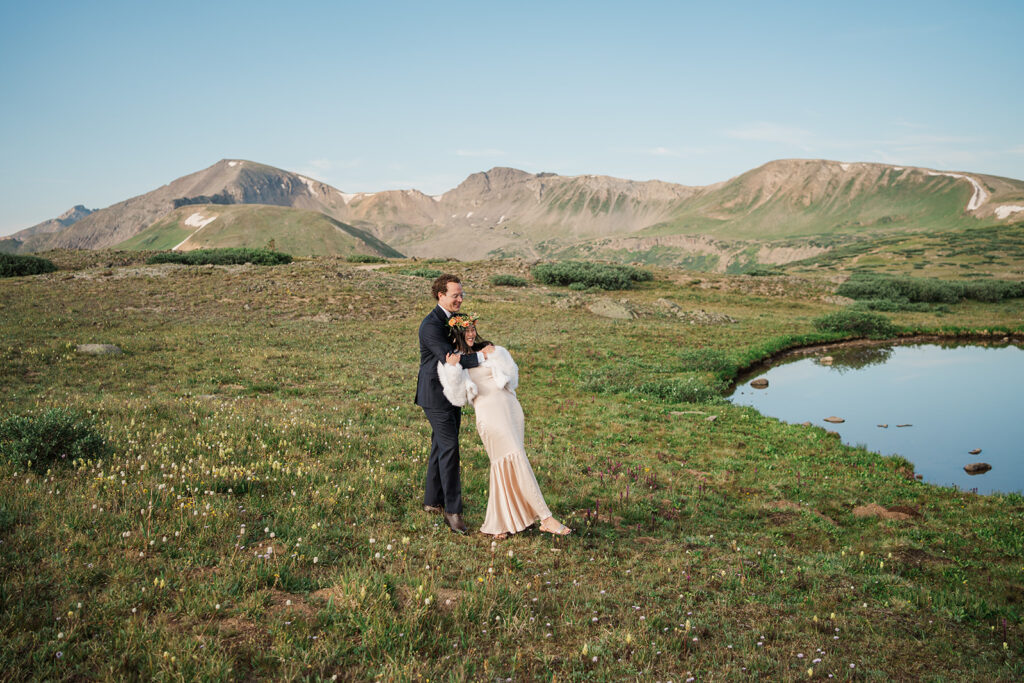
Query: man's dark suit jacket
x=435 y=344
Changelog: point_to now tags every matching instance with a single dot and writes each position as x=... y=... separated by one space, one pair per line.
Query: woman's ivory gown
x=515 y=501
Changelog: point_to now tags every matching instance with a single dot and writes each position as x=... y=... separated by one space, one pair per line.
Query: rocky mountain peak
x=75 y=213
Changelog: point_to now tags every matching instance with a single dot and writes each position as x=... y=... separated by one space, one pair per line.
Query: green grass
x=260 y=514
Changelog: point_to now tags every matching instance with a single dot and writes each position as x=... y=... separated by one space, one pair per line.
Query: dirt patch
x=290 y=605
x=784 y=508
x=449 y=598
x=236 y=633
x=876 y=510
x=915 y=557
x=337 y=596
x=268 y=549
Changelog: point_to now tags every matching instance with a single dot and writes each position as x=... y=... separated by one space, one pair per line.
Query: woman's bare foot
x=499 y=537
x=553 y=526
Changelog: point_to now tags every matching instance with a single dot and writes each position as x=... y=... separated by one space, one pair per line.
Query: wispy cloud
x=326 y=170
x=764 y=131
x=486 y=152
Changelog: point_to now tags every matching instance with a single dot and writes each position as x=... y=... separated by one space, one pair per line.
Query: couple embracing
x=457 y=367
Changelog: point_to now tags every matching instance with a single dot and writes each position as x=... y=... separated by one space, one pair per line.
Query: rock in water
x=975 y=451
x=99 y=349
x=759 y=383
x=826 y=360
x=884 y=426
x=834 y=420
x=977 y=468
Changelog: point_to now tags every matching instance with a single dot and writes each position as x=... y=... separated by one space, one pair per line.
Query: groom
x=443 y=490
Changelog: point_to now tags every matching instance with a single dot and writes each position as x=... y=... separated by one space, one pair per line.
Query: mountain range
x=774 y=213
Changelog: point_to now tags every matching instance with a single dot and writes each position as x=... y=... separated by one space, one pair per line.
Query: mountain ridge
x=507 y=211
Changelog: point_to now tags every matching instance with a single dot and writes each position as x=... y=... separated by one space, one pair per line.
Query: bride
x=515 y=501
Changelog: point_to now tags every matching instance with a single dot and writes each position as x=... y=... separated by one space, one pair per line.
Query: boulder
x=975 y=451
x=668 y=306
x=759 y=383
x=834 y=420
x=703 y=317
x=607 y=308
x=977 y=468
x=99 y=349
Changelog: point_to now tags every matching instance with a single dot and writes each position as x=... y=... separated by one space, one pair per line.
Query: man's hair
x=440 y=285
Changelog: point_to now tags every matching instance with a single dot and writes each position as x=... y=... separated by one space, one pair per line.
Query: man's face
x=452 y=299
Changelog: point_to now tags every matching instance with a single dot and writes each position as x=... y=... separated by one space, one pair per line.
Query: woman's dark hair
x=460 y=340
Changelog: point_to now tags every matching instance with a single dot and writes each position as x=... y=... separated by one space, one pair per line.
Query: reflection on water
x=857 y=357
x=954 y=398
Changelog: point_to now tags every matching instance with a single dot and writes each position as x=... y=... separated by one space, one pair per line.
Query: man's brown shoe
x=436 y=509
x=455 y=522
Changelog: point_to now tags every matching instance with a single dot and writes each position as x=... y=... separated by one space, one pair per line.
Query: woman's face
x=470 y=335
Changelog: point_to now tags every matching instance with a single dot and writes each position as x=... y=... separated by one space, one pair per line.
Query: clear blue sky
x=107 y=100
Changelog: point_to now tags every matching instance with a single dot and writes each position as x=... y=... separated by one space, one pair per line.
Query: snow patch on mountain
x=310 y=184
x=1003 y=212
x=198 y=220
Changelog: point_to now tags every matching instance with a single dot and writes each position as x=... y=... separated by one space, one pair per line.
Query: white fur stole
x=459 y=389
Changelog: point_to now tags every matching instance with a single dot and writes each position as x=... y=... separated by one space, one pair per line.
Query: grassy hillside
x=294 y=231
x=975 y=253
x=751 y=207
x=260 y=513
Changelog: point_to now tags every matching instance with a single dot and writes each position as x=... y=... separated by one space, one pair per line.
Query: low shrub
x=429 y=273
x=993 y=290
x=365 y=258
x=508 y=281
x=58 y=435
x=585 y=274
x=764 y=271
x=864 y=286
x=890 y=306
x=857 y=322
x=222 y=257
x=16 y=265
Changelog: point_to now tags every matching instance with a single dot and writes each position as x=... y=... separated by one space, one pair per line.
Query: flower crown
x=461 y=320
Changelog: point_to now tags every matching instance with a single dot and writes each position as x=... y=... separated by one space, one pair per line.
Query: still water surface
x=956 y=399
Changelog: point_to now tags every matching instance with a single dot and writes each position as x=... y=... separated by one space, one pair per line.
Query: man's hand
x=452 y=358
x=487 y=350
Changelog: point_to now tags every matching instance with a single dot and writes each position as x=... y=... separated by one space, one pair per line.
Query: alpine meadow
x=237 y=491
